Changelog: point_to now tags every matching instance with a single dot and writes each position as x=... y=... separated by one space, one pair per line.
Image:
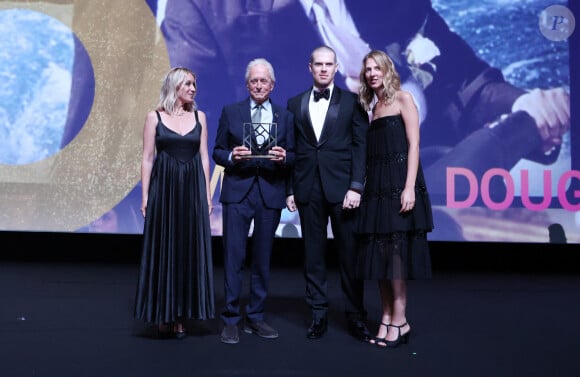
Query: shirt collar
x=329 y=87
x=266 y=104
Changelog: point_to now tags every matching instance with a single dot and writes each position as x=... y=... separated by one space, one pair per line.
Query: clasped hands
x=276 y=153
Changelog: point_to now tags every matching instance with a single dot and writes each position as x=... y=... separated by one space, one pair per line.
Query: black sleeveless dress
x=176 y=271
x=391 y=245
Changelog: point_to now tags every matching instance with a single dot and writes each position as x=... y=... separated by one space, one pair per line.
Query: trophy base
x=259 y=156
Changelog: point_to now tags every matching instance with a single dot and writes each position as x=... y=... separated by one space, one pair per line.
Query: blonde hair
x=391 y=80
x=172 y=82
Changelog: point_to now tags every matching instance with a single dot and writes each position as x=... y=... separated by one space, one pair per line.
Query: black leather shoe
x=260 y=328
x=358 y=329
x=317 y=328
x=230 y=334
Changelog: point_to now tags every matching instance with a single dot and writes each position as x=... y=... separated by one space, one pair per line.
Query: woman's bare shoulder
x=405 y=100
x=404 y=97
x=200 y=113
x=151 y=117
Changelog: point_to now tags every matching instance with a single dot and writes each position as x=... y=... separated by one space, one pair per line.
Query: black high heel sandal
x=400 y=338
x=176 y=331
x=380 y=342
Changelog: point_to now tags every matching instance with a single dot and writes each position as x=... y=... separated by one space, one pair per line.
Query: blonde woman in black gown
x=176 y=274
x=395 y=213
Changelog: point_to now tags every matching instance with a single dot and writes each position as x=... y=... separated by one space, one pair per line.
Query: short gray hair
x=260 y=61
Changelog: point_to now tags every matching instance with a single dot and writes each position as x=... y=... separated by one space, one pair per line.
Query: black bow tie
x=323 y=94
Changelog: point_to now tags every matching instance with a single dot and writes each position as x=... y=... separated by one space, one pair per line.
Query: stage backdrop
x=78 y=76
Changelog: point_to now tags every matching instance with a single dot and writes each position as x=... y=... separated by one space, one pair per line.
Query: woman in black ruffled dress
x=395 y=212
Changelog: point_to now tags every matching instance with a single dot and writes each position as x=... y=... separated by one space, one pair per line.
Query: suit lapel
x=245 y=114
x=245 y=111
x=305 y=112
x=331 y=115
x=276 y=119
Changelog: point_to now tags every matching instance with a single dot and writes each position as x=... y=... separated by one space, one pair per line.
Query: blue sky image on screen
x=36 y=58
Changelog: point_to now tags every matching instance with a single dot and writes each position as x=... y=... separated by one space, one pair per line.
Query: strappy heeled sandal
x=400 y=338
x=380 y=342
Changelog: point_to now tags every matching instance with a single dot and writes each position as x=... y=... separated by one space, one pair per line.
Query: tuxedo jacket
x=339 y=156
x=239 y=176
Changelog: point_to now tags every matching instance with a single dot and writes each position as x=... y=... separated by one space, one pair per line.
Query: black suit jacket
x=239 y=176
x=339 y=155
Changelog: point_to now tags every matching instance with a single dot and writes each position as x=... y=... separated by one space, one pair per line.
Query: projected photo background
x=77 y=78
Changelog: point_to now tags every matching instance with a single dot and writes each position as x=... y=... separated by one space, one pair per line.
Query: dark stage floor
x=74 y=319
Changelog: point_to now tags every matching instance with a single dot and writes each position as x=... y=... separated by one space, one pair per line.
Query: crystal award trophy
x=259 y=138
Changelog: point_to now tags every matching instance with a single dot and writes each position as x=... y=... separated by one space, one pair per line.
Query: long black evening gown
x=391 y=245
x=176 y=271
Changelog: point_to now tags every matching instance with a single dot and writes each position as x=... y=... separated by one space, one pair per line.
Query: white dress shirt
x=318 y=111
x=266 y=110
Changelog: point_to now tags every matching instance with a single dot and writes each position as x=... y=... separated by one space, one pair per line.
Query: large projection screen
x=78 y=76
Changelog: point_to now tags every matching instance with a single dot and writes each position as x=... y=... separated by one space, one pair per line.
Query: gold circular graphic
x=102 y=164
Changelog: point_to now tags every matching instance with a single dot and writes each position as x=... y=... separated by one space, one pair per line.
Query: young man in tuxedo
x=328 y=178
